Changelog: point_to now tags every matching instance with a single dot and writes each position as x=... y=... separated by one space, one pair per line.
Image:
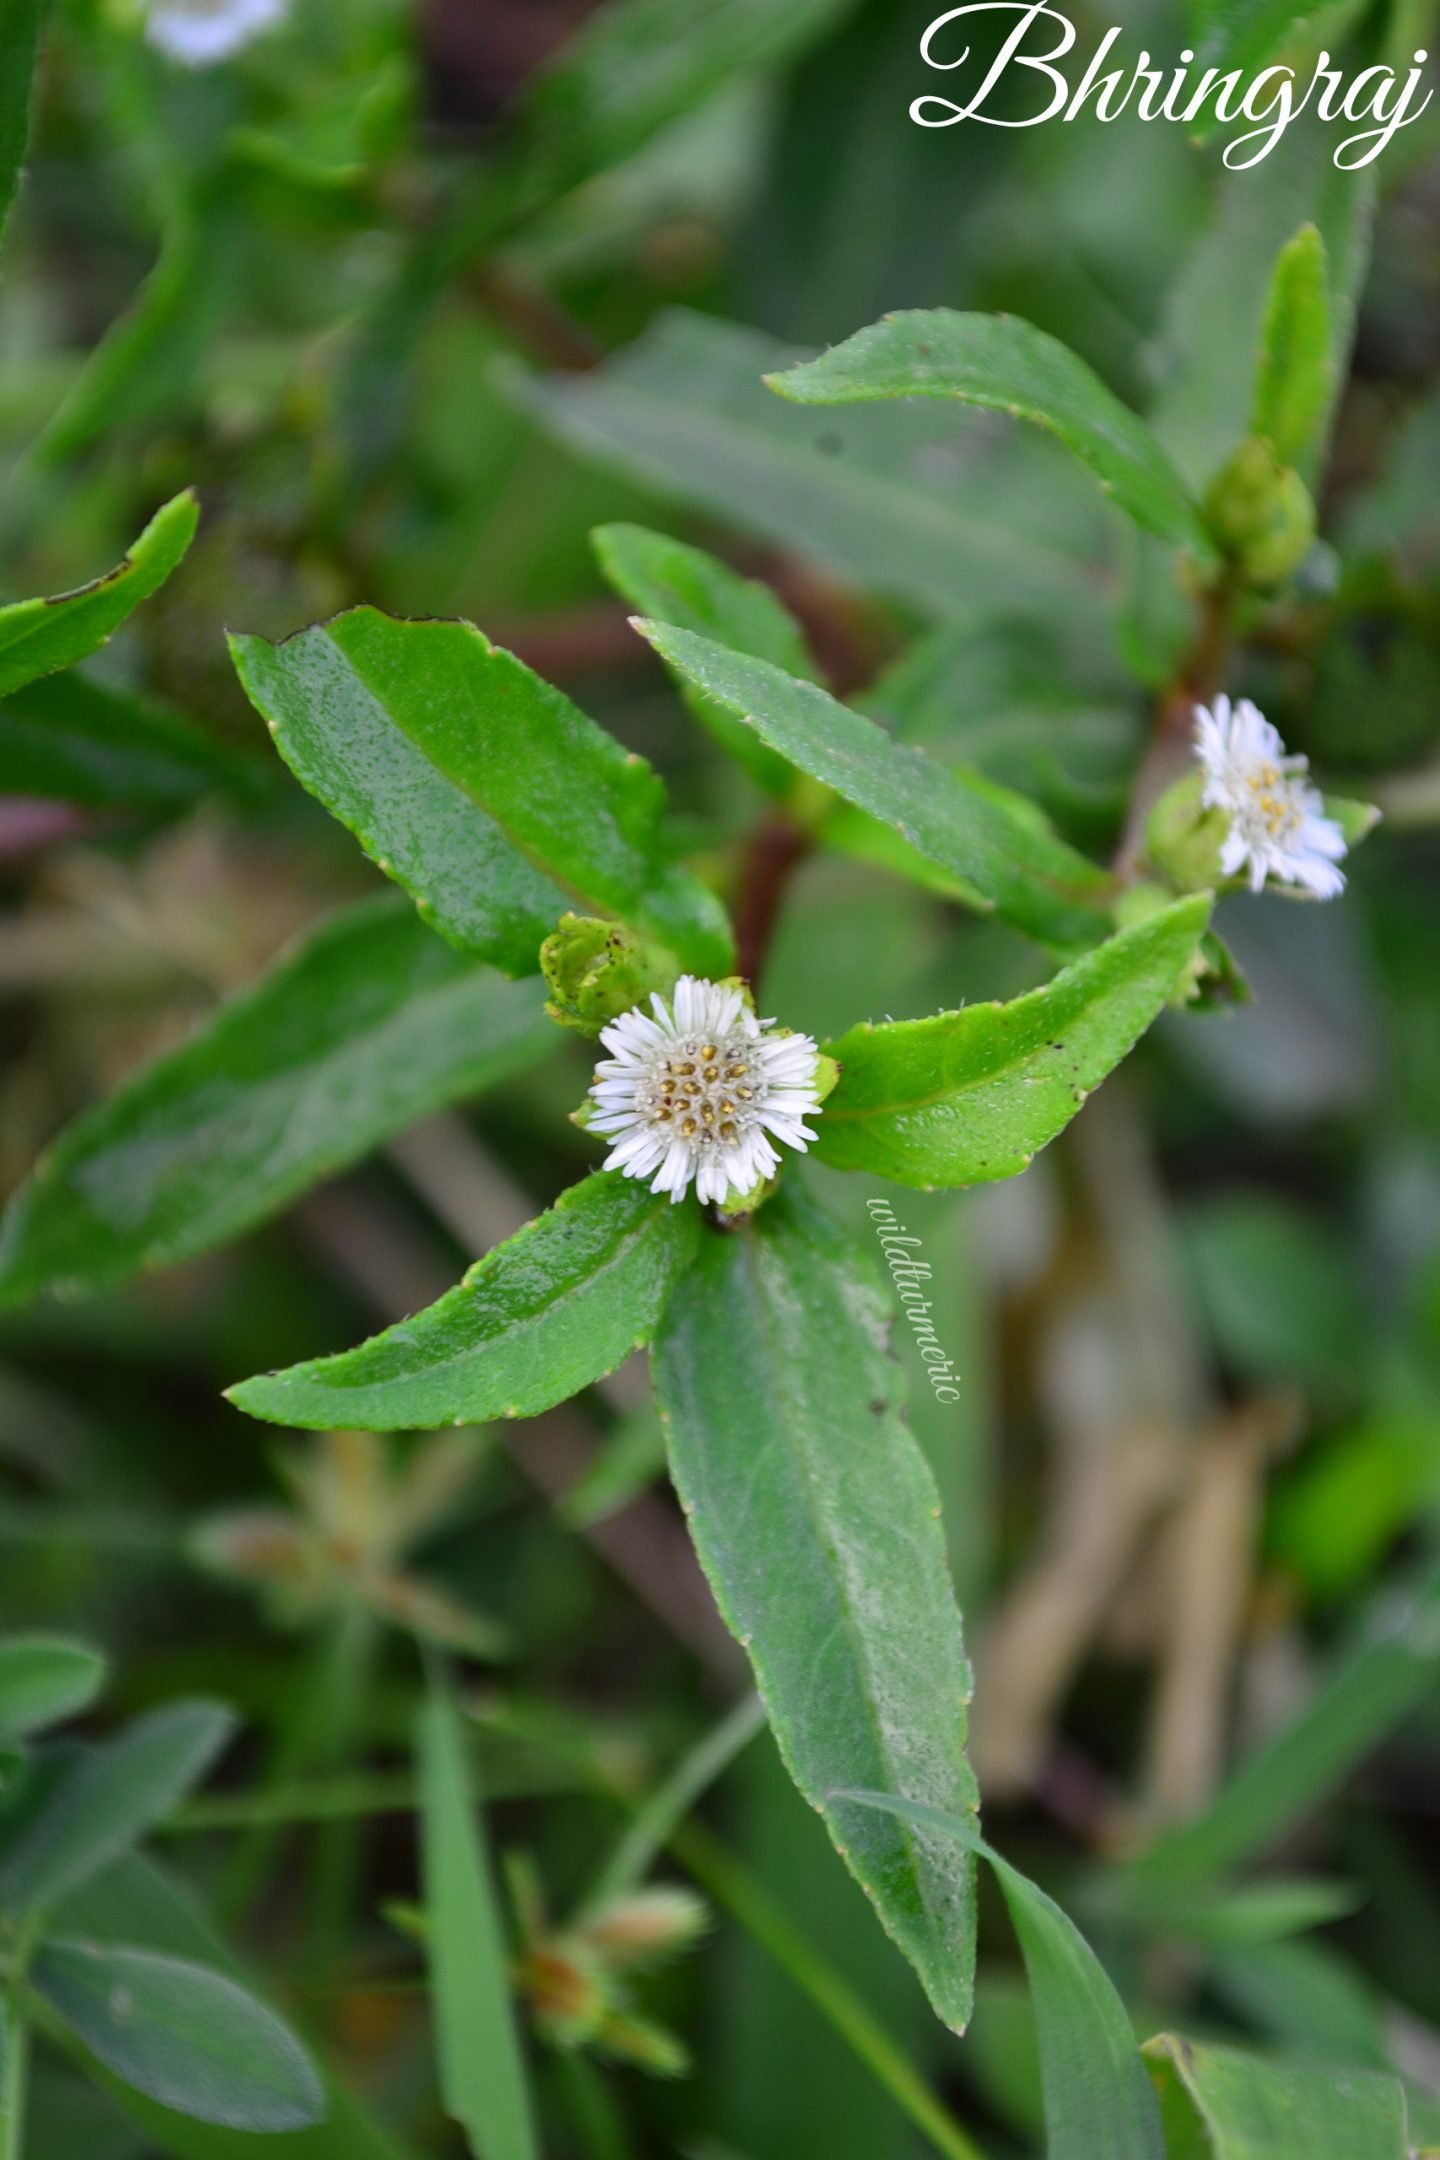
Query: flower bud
x=595 y=971
x=565 y=1988
x=1261 y=514
x=648 y=1925
x=1183 y=839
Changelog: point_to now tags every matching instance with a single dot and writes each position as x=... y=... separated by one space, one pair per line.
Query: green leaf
x=186 y=2036
x=1251 y=1914
x=690 y=590
x=639 y=64
x=629 y=1462
x=44 y=1678
x=1220 y=2104
x=1005 y=365
x=1357 y=820
x=108 y=1797
x=1295 y=384
x=1391 y=1667
x=1246 y=34
x=1305 y=1998
x=661 y=1814
x=925 y=506
x=633 y=67
x=993 y=857
x=365 y=1026
x=1098 y=2100
x=482 y=2073
x=73 y=740
x=333 y=721
x=19 y=44
x=39 y=636
x=403 y=728
x=137 y=1902
x=1205 y=359
x=151 y=359
x=554 y=1308
x=968 y=1096
x=816 y=1520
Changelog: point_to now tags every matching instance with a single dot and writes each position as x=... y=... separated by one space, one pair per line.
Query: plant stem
x=776 y=850
x=17 y=2051
x=1168 y=750
x=655 y=1821
x=732 y=1885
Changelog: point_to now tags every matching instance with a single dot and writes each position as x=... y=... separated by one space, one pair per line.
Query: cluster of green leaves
x=493 y=801
x=181 y=2032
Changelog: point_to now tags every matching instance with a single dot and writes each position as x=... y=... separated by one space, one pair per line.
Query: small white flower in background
x=1278 y=826
x=702 y=1090
x=201 y=33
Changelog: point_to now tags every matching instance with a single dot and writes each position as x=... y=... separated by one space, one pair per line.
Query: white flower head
x=1278 y=826
x=201 y=33
x=699 y=1088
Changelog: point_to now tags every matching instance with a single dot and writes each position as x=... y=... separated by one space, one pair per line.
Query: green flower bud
x=1261 y=514
x=595 y=971
x=1183 y=840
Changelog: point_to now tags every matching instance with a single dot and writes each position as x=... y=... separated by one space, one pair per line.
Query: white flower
x=199 y=33
x=1277 y=818
x=702 y=1090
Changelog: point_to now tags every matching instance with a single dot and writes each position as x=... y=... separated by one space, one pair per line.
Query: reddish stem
x=776 y=850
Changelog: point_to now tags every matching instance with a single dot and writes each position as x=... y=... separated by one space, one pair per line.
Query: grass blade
x=482 y=2074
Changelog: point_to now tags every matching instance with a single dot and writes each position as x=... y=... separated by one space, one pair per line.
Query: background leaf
x=690 y=590
x=44 y=1678
x=638 y=65
x=74 y=740
x=399 y=726
x=1295 y=385
x=1220 y=2104
x=1005 y=365
x=555 y=1307
x=106 y=1798
x=19 y=42
x=927 y=507
x=816 y=1524
x=366 y=1026
x=186 y=2036
x=1098 y=2100
x=968 y=1096
x=482 y=2073
x=1027 y=874
x=1246 y=34
x=137 y=1902
x=39 y=636
x=149 y=359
